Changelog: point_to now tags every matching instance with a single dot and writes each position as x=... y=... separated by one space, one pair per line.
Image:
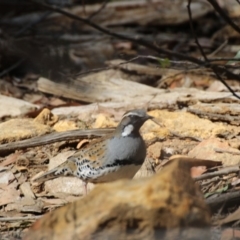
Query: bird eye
x=134 y=117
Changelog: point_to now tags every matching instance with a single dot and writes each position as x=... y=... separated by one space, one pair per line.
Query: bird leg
x=84 y=184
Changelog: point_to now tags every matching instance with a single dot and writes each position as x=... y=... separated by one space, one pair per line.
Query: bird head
x=132 y=121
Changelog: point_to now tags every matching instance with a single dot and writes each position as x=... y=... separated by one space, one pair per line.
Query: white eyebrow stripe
x=131 y=114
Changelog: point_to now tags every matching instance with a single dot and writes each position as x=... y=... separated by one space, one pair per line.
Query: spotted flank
x=87 y=172
x=95 y=174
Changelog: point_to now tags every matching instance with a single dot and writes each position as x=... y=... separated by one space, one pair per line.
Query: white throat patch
x=127 y=130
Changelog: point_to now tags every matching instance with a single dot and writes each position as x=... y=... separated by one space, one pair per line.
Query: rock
x=13 y=107
x=103 y=121
x=207 y=149
x=21 y=129
x=154 y=150
x=65 y=186
x=167 y=205
x=185 y=124
x=65 y=125
x=46 y=117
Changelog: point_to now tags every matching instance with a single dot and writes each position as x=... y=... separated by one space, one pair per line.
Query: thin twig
x=190 y=67
x=206 y=183
x=104 y=4
x=223 y=59
x=219 y=150
x=112 y=66
x=223 y=45
x=213 y=67
x=193 y=32
x=91 y=71
x=224 y=15
x=224 y=171
x=12 y=219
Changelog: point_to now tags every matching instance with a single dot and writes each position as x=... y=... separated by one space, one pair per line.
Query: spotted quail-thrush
x=115 y=156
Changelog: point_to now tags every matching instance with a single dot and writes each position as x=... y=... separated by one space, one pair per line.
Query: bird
x=116 y=156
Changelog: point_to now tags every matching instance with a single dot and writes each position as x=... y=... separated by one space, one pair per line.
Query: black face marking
x=123 y=163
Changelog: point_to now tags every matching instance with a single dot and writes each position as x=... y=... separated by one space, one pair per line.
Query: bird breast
x=127 y=148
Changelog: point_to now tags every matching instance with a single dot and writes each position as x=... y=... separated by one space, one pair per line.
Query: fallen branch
x=53 y=137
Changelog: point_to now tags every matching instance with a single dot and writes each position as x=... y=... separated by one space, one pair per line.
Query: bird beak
x=149 y=117
x=155 y=120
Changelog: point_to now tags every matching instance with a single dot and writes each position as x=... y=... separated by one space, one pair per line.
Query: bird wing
x=94 y=151
x=92 y=154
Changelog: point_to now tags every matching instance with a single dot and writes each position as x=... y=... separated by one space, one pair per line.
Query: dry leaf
x=10 y=159
x=82 y=143
x=9 y=195
x=6 y=177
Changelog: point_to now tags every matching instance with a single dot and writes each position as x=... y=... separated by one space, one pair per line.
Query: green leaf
x=164 y=63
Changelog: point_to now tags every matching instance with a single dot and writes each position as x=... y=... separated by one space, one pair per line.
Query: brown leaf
x=10 y=159
x=9 y=195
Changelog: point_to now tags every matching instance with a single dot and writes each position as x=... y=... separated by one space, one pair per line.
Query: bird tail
x=61 y=170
